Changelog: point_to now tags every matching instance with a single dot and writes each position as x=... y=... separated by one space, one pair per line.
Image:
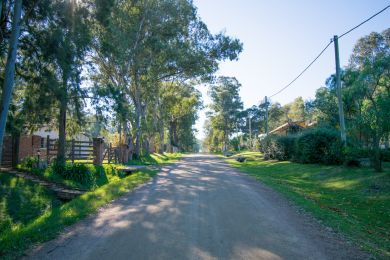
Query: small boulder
x=241 y=159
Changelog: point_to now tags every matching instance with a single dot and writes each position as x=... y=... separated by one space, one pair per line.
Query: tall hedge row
x=318 y=145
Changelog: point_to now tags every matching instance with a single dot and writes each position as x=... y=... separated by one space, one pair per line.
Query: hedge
x=318 y=145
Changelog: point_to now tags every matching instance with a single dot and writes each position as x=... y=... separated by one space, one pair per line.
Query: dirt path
x=199 y=208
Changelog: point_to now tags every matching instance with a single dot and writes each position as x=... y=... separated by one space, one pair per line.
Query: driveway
x=198 y=208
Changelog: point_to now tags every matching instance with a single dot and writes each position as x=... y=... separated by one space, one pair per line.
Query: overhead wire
x=368 y=19
x=303 y=71
x=324 y=49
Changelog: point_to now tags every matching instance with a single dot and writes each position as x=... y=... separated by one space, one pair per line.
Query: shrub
x=29 y=162
x=352 y=154
x=385 y=155
x=279 y=147
x=319 y=145
x=77 y=172
x=311 y=146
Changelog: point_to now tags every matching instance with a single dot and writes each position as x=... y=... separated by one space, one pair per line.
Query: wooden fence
x=111 y=154
x=80 y=151
x=46 y=149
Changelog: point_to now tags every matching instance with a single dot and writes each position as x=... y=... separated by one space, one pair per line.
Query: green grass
x=353 y=201
x=156 y=158
x=30 y=213
x=22 y=201
x=50 y=221
x=101 y=175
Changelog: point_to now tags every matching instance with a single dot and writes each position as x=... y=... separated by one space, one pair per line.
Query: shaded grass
x=101 y=175
x=45 y=227
x=21 y=201
x=353 y=201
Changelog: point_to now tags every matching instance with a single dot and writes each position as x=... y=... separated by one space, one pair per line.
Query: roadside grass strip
x=46 y=226
x=352 y=201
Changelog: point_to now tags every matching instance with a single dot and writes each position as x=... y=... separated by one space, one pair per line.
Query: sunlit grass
x=47 y=222
x=14 y=241
x=354 y=201
x=156 y=158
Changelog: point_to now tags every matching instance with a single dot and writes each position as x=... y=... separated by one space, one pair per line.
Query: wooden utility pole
x=266 y=115
x=338 y=89
x=250 y=131
x=10 y=70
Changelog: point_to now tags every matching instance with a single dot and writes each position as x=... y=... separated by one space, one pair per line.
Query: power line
x=323 y=50
x=303 y=71
x=360 y=24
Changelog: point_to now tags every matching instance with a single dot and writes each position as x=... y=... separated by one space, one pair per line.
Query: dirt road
x=198 y=208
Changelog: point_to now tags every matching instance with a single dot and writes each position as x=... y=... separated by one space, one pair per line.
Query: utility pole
x=250 y=131
x=266 y=115
x=338 y=89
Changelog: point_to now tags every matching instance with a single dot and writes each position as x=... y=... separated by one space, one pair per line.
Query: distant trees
x=224 y=110
x=132 y=63
x=141 y=44
x=366 y=99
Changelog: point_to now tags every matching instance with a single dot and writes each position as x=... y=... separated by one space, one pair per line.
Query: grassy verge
x=14 y=241
x=90 y=177
x=80 y=176
x=353 y=201
x=156 y=158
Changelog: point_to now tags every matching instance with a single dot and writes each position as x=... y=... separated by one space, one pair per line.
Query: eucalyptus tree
x=370 y=67
x=142 y=43
x=9 y=73
x=179 y=104
x=226 y=106
x=65 y=41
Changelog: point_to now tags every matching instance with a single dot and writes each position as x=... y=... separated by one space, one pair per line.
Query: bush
x=29 y=162
x=312 y=146
x=279 y=147
x=76 y=172
x=319 y=145
x=353 y=154
x=385 y=155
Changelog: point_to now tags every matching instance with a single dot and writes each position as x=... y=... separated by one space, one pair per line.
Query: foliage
x=76 y=172
x=29 y=162
x=352 y=201
x=52 y=220
x=318 y=145
x=21 y=201
x=224 y=110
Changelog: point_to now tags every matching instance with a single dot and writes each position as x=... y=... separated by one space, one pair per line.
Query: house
x=292 y=127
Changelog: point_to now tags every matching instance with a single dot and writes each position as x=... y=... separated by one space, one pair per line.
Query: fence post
x=98 y=150
x=109 y=153
x=48 y=149
x=72 y=151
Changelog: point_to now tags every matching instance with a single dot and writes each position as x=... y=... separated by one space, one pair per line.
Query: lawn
x=99 y=175
x=30 y=213
x=157 y=158
x=46 y=222
x=352 y=201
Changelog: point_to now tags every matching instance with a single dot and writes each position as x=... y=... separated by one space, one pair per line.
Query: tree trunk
x=161 y=148
x=10 y=71
x=137 y=150
x=131 y=147
x=377 y=162
x=62 y=130
x=171 y=139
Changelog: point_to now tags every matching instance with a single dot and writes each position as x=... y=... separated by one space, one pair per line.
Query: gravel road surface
x=198 y=208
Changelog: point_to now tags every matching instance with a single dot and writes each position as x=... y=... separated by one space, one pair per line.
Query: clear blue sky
x=282 y=37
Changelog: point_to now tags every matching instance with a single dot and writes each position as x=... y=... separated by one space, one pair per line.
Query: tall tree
x=225 y=107
x=370 y=62
x=10 y=71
